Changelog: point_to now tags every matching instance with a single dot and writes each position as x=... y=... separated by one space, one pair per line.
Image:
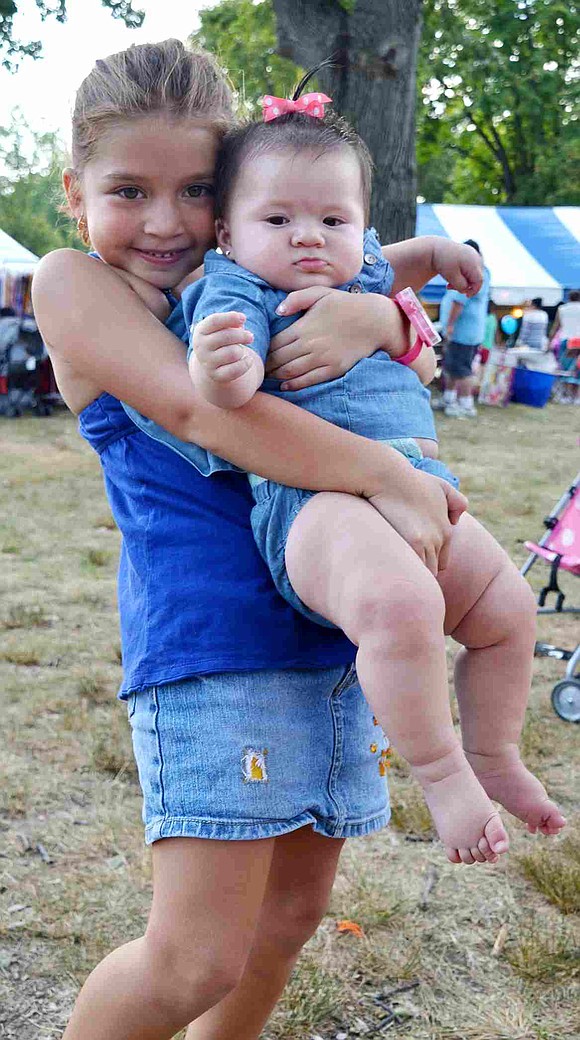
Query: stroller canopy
x=529 y=250
x=15 y=258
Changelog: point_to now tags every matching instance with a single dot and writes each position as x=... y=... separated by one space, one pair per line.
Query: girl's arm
x=122 y=349
x=425 y=365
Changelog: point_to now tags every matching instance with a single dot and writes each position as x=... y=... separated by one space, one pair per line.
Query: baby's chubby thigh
x=347 y=563
x=481 y=585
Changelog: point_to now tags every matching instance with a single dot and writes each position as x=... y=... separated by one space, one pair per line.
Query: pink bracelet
x=427 y=336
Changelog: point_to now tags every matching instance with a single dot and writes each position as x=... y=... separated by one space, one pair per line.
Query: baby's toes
x=453 y=855
x=552 y=822
x=496 y=834
x=489 y=856
x=466 y=857
x=478 y=856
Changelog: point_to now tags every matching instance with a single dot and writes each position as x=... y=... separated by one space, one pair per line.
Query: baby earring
x=83 y=230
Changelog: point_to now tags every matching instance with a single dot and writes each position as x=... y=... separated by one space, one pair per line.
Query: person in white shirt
x=534 y=328
x=567 y=320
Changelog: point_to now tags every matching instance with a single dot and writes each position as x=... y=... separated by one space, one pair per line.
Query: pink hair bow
x=308 y=104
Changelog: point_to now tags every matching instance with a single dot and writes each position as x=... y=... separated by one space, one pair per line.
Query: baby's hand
x=460 y=265
x=219 y=344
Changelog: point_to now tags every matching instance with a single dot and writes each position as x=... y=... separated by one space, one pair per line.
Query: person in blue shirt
x=463 y=320
x=292 y=200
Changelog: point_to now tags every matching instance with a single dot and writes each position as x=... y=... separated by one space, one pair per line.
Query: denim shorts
x=276 y=508
x=243 y=755
x=458 y=360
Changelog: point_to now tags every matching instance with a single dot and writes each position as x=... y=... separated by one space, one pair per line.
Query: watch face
x=418 y=317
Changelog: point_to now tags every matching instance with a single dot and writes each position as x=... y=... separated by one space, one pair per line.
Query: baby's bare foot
x=506 y=780
x=468 y=824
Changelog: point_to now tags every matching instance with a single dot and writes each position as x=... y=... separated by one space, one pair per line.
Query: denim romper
x=377 y=398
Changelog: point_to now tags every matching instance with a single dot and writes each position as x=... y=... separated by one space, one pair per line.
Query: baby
x=292 y=203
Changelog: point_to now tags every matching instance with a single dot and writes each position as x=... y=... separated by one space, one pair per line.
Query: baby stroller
x=26 y=378
x=560 y=549
x=567 y=390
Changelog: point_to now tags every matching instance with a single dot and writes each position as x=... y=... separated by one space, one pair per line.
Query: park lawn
x=481 y=953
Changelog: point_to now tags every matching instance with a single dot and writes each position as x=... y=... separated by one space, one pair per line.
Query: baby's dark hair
x=293 y=131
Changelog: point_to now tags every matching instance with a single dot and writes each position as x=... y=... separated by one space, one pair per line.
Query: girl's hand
x=337 y=330
x=219 y=346
x=153 y=298
x=460 y=265
x=424 y=513
x=189 y=279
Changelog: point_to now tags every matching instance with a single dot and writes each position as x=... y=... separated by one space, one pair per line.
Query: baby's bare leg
x=348 y=564
x=491 y=610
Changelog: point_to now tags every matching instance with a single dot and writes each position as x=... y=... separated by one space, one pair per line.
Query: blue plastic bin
x=533 y=388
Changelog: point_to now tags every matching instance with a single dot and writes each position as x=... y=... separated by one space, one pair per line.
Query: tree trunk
x=372 y=85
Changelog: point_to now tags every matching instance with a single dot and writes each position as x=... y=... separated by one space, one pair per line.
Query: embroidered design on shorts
x=254 y=769
x=384 y=761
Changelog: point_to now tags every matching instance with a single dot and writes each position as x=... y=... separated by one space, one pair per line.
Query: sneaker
x=455 y=411
x=438 y=405
x=470 y=411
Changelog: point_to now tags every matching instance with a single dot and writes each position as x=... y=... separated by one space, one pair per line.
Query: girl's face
x=297 y=220
x=147 y=196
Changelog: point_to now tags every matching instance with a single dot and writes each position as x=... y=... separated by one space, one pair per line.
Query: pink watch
x=427 y=335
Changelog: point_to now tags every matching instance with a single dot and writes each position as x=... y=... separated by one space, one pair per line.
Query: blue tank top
x=194 y=594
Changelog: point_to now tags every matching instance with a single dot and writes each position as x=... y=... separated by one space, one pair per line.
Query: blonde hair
x=146 y=79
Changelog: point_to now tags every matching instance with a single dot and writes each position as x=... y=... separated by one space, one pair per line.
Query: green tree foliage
x=31 y=195
x=498 y=105
x=242 y=34
x=12 y=50
x=497 y=93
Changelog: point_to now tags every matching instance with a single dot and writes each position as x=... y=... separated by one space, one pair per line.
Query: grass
x=94 y=687
x=23 y=616
x=68 y=784
x=545 y=952
x=555 y=872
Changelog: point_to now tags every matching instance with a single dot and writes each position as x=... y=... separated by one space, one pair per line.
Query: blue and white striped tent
x=15 y=258
x=529 y=250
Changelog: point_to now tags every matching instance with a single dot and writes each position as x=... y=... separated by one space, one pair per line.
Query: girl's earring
x=83 y=230
x=227 y=252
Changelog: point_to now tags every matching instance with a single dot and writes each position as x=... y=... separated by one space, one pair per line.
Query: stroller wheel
x=566 y=700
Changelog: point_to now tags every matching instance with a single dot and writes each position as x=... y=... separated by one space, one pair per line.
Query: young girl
x=253 y=741
x=292 y=200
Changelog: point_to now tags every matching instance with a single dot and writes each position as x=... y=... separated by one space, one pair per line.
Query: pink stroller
x=560 y=548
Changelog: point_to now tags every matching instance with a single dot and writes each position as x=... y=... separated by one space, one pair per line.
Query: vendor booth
x=27 y=380
x=531 y=251
x=16 y=269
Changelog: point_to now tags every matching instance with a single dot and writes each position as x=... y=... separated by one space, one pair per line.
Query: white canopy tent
x=530 y=250
x=14 y=258
x=17 y=265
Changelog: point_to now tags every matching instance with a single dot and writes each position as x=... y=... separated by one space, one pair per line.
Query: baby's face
x=297 y=220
